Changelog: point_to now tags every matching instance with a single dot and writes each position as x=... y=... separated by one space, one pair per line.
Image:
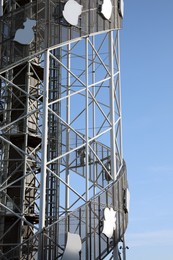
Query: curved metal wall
x=51 y=27
x=66 y=78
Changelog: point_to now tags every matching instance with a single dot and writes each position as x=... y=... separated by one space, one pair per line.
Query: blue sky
x=147 y=104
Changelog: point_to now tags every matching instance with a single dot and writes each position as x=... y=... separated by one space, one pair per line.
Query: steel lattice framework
x=60 y=132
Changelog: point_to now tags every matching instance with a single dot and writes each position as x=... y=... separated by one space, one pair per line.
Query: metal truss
x=61 y=141
x=60 y=135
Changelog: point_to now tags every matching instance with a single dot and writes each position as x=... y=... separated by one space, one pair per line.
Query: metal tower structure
x=63 y=182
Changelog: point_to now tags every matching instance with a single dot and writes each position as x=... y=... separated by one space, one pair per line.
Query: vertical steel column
x=112 y=118
x=94 y=108
x=25 y=149
x=94 y=132
x=43 y=177
x=87 y=118
x=124 y=248
x=87 y=143
x=68 y=131
x=112 y=106
x=119 y=85
x=115 y=253
x=44 y=153
x=44 y=143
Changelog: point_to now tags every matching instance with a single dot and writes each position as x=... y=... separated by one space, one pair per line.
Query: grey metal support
x=116 y=253
x=68 y=129
x=73 y=151
x=112 y=106
x=44 y=144
x=87 y=141
x=42 y=214
x=124 y=248
x=87 y=120
x=25 y=147
x=120 y=99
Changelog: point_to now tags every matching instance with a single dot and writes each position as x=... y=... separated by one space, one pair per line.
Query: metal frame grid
x=61 y=148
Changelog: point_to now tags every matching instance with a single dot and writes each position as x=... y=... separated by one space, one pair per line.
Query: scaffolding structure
x=60 y=132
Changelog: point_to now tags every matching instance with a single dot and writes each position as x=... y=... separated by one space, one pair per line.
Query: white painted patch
x=109 y=222
x=73 y=247
x=26 y=35
x=121 y=7
x=72 y=11
x=106 y=9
